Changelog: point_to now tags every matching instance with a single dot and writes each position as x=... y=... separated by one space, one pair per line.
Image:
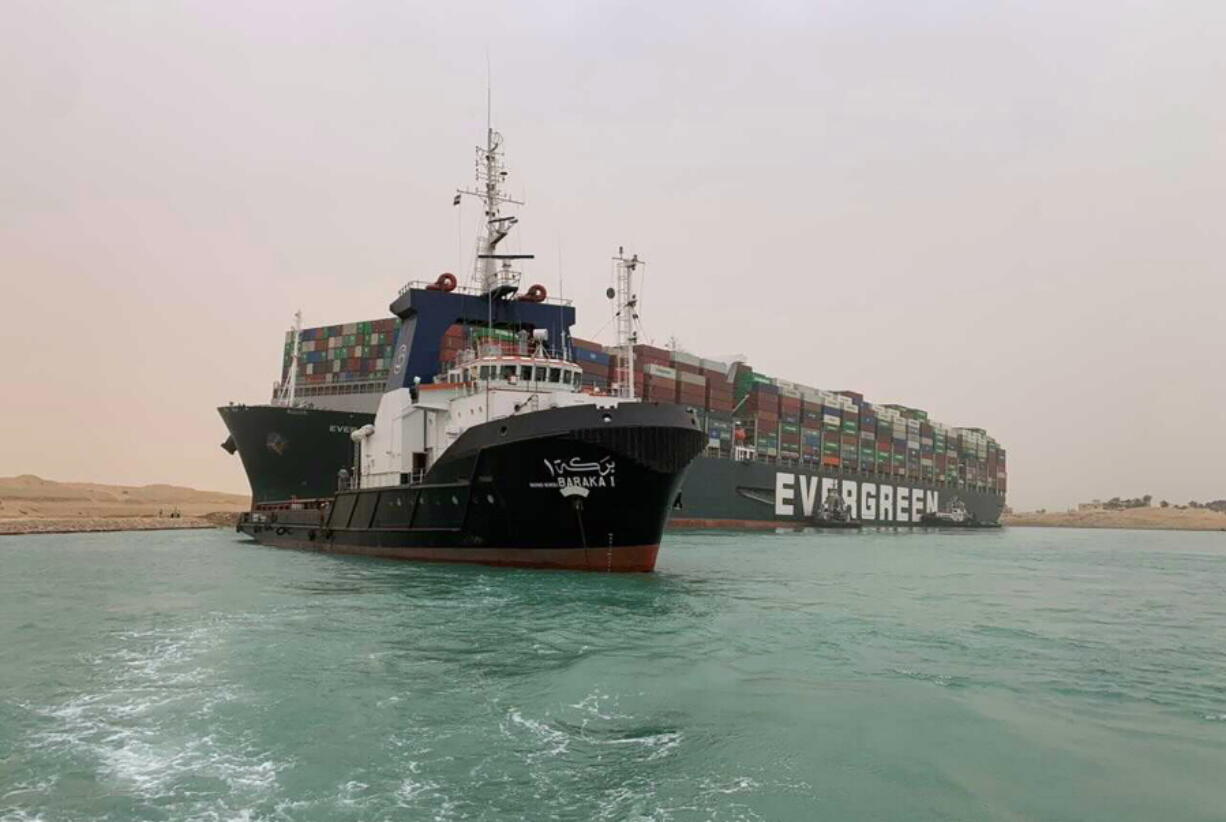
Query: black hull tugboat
x=834 y=514
x=503 y=458
x=583 y=487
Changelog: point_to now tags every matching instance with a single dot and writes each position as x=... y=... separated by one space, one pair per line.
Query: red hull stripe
x=622 y=559
x=744 y=524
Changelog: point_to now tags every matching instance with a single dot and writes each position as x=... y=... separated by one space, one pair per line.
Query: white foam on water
x=414 y=793
x=739 y=784
x=350 y=794
x=661 y=744
x=131 y=727
x=553 y=741
x=593 y=704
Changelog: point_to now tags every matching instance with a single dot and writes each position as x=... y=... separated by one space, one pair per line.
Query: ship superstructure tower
x=493 y=272
x=626 y=310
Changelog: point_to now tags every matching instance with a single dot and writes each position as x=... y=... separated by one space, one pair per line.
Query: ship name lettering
x=868 y=500
x=849 y=498
x=808 y=493
x=784 y=492
x=886 y=509
x=588 y=481
x=799 y=494
x=342 y=429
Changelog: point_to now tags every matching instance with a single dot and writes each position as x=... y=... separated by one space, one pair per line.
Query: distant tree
x=1194 y=504
x=1146 y=500
x=1164 y=504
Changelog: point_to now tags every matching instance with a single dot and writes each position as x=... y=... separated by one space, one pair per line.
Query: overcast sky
x=1007 y=213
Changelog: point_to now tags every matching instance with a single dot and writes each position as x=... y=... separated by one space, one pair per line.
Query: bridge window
x=540 y=373
x=508 y=372
x=555 y=374
x=566 y=378
x=525 y=373
x=485 y=372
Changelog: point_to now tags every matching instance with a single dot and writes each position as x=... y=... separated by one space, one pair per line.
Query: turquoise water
x=1022 y=675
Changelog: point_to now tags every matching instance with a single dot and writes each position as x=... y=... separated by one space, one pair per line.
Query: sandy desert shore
x=1189 y=519
x=30 y=504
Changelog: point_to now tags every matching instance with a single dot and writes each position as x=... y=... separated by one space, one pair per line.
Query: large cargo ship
x=776 y=450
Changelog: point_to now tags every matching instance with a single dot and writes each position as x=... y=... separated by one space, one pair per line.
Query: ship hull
x=292 y=453
x=717 y=492
x=562 y=488
x=723 y=493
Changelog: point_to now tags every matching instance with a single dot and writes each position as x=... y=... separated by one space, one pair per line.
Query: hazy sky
x=1007 y=213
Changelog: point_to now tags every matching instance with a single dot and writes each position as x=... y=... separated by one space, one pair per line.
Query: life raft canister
x=445 y=282
x=535 y=294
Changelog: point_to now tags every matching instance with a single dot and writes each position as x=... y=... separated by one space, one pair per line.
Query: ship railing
x=468 y=290
x=291 y=504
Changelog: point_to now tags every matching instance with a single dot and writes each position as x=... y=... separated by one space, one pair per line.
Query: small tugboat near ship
x=530 y=471
x=505 y=458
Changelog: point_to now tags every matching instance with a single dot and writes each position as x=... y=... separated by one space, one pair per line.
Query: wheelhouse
x=523 y=372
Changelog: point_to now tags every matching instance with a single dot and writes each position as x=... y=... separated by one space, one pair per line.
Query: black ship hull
x=724 y=493
x=291 y=453
x=717 y=492
x=576 y=488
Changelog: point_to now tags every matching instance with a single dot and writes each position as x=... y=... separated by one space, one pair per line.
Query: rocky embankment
x=1188 y=519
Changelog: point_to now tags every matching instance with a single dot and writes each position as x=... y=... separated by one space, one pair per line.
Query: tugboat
x=834 y=512
x=956 y=516
x=503 y=459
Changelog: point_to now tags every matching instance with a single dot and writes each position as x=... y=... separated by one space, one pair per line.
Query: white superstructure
x=415 y=426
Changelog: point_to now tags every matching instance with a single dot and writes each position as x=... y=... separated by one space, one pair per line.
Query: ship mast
x=627 y=314
x=492 y=272
x=290 y=387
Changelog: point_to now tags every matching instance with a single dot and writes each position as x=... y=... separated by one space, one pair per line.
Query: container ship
x=776 y=453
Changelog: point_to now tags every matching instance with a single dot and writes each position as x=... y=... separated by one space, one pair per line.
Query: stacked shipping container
x=349 y=353
x=780 y=420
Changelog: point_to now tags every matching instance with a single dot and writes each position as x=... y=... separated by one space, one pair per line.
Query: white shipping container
x=688 y=359
x=661 y=371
